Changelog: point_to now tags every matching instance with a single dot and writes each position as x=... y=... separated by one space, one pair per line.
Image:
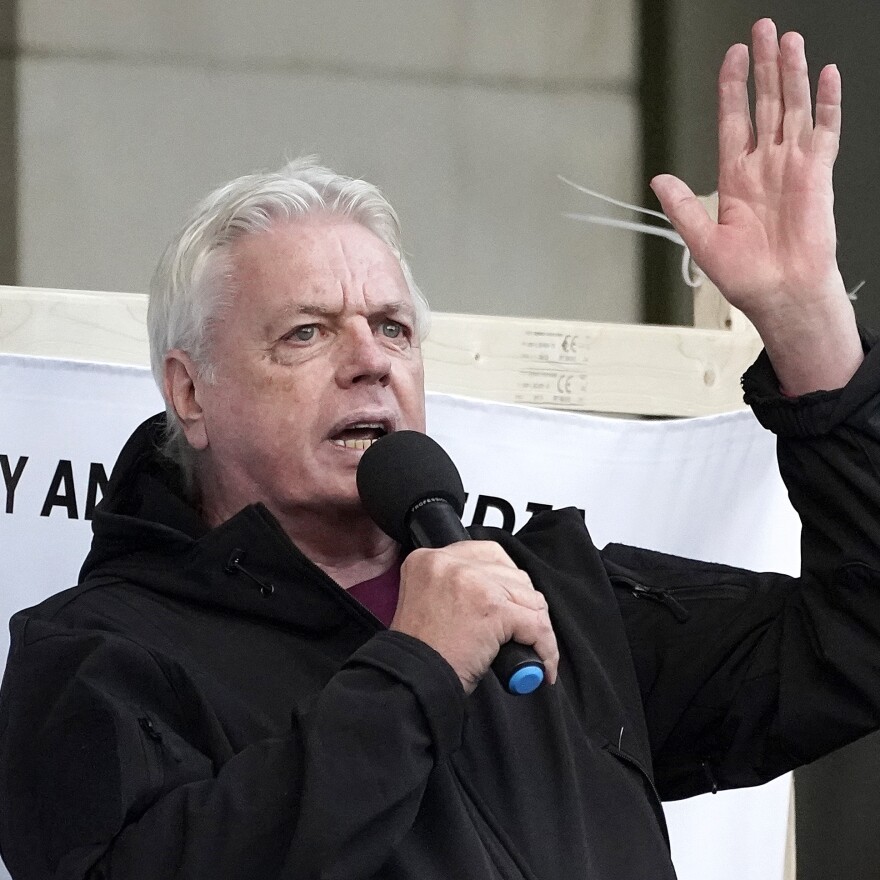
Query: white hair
x=193 y=280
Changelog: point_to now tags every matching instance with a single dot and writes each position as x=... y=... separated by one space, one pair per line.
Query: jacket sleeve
x=745 y=676
x=140 y=791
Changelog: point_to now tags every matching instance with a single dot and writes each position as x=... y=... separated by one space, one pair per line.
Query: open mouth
x=360 y=435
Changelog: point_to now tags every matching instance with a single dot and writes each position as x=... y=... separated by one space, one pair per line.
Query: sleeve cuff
x=427 y=674
x=814 y=414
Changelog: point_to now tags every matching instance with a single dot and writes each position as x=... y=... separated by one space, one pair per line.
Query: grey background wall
x=8 y=154
x=464 y=111
x=116 y=116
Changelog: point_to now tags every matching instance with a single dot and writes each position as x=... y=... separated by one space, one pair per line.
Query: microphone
x=412 y=490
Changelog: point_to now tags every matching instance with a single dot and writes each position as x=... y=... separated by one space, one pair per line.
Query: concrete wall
x=464 y=111
x=8 y=147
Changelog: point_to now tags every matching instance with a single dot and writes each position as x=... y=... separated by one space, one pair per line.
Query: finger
x=735 y=134
x=768 y=83
x=535 y=629
x=521 y=590
x=826 y=135
x=685 y=212
x=488 y=552
x=797 y=122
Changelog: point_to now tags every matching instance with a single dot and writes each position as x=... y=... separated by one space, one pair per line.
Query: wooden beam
x=571 y=365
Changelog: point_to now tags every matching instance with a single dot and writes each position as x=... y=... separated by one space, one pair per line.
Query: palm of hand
x=775 y=235
x=775 y=240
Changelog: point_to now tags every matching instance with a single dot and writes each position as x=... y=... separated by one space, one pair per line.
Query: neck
x=348 y=547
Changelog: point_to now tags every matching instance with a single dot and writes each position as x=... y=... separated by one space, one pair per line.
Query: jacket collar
x=147 y=533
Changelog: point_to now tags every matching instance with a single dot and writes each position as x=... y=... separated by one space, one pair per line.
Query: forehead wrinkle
x=395 y=307
x=384 y=271
x=327 y=262
x=313 y=309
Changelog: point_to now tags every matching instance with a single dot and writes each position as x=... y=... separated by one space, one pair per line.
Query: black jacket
x=209 y=704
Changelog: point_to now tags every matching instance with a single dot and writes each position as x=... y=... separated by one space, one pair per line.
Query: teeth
x=353 y=444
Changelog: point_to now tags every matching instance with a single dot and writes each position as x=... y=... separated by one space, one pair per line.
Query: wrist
x=812 y=342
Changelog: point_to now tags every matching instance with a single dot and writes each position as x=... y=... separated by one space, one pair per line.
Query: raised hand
x=772 y=252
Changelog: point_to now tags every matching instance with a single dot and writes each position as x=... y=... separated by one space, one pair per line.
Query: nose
x=363 y=357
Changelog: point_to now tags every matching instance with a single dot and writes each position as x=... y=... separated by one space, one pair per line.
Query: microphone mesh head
x=400 y=470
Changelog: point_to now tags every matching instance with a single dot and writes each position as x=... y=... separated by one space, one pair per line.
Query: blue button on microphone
x=526 y=680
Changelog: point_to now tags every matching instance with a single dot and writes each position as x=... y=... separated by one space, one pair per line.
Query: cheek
x=244 y=406
x=284 y=408
x=413 y=397
x=269 y=389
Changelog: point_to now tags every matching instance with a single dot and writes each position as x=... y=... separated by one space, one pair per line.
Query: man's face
x=316 y=356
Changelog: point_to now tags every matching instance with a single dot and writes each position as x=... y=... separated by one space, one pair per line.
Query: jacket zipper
x=658 y=801
x=655 y=594
x=146 y=725
x=670 y=597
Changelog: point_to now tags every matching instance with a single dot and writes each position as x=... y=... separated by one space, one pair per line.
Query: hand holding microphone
x=466 y=599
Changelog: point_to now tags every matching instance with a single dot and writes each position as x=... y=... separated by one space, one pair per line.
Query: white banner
x=706 y=488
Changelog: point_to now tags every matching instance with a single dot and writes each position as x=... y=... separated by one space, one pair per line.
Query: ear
x=182 y=393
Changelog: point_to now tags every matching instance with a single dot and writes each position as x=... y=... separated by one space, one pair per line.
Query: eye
x=391 y=329
x=306 y=333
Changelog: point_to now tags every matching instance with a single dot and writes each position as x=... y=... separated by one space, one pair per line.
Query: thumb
x=685 y=212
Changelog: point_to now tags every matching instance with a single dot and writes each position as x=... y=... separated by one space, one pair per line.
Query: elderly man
x=250 y=682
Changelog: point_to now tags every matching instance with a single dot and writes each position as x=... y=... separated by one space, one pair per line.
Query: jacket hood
x=147 y=532
x=144 y=505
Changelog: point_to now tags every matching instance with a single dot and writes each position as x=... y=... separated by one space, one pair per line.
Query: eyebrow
x=311 y=309
x=396 y=307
